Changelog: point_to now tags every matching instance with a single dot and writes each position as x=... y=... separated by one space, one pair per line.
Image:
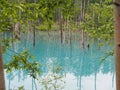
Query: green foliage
x=52 y=81
x=99 y=23
x=109 y=53
x=6 y=44
x=19 y=88
x=42 y=27
x=26 y=62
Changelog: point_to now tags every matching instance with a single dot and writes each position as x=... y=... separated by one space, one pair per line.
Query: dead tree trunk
x=61 y=29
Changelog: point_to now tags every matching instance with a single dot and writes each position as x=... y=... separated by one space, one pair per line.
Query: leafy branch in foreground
x=109 y=53
x=24 y=61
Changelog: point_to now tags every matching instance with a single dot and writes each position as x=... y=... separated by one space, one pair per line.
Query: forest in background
x=94 y=17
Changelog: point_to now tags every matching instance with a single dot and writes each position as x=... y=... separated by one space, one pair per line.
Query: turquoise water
x=81 y=69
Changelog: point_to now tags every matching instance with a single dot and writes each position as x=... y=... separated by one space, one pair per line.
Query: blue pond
x=81 y=69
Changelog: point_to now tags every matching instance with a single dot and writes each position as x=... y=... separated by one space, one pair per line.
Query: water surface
x=82 y=69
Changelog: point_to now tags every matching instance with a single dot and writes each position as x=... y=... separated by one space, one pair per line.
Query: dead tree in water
x=34 y=29
x=60 y=26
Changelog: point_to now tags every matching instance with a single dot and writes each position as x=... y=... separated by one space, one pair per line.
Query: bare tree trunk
x=61 y=29
x=16 y=31
x=34 y=30
x=34 y=34
x=82 y=15
x=117 y=41
x=82 y=39
x=2 y=80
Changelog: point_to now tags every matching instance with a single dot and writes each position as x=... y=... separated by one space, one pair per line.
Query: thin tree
x=2 y=80
x=117 y=41
x=60 y=26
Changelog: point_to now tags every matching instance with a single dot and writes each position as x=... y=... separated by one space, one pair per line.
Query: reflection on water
x=83 y=70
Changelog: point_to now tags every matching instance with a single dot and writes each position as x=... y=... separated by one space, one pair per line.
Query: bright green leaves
x=20 y=7
x=6 y=44
x=96 y=15
x=108 y=54
x=99 y=20
x=24 y=61
x=4 y=19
